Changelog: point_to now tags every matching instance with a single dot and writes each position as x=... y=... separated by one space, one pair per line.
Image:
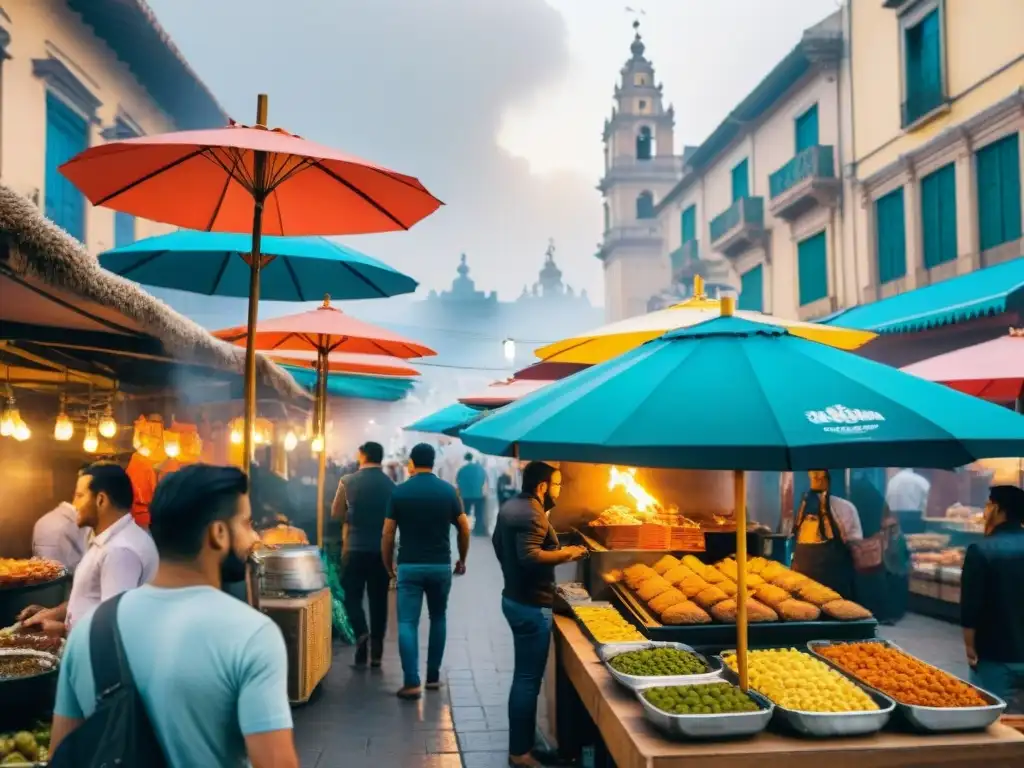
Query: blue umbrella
x=733 y=394
x=450 y=420
x=361 y=386
x=295 y=268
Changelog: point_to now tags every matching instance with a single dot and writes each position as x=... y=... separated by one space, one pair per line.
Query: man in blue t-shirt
x=472 y=482
x=423 y=511
x=211 y=671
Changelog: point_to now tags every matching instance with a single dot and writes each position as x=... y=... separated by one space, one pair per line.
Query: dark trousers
x=365 y=573
x=477 y=508
x=531 y=639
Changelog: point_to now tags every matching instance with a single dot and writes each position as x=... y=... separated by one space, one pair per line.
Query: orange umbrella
x=324 y=330
x=342 y=362
x=248 y=178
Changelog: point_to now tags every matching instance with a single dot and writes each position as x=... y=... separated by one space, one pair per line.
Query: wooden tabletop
x=634 y=743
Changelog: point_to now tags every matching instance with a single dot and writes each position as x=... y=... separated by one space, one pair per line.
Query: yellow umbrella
x=615 y=339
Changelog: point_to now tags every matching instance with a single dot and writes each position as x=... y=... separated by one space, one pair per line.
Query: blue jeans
x=1004 y=680
x=415 y=582
x=531 y=639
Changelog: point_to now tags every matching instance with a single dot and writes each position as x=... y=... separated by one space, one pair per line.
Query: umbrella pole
x=259 y=171
x=321 y=459
x=740 y=491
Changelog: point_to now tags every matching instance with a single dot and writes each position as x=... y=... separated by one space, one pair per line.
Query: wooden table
x=633 y=743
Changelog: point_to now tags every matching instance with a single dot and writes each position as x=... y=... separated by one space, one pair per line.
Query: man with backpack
x=177 y=673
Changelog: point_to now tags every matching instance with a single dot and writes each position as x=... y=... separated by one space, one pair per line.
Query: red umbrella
x=248 y=178
x=993 y=370
x=324 y=330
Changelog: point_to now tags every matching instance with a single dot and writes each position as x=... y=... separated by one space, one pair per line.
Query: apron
x=827 y=561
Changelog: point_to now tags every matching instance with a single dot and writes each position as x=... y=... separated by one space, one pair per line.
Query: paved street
x=355 y=721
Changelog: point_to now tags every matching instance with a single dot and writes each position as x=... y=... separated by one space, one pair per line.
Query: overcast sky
x=496 y=105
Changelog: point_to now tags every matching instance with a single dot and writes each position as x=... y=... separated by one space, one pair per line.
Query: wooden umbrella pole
x=321 y=470
x=255 y=264
x=740 y=491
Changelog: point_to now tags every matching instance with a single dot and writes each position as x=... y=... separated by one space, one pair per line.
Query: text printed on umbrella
x=843 y=420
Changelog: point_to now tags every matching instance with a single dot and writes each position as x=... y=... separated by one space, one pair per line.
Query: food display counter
x=936 y=565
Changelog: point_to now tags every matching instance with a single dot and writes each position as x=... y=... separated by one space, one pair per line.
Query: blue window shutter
x=752 y=289
x=1009 y=175
x=807 y=129
x=688 y=224
x=124 y=229
x=740 y=181
x=67 y=134
x=931 y=53
x=812 y=268
x=999 y=193
x=938 y=216
x=891 y=241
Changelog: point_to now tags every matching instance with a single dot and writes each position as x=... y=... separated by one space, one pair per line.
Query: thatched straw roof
x=41 y=252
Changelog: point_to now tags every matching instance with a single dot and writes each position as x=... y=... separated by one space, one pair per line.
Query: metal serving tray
x=610 y=651
x=829 y=724
x=589 y=635
x=930 y=719
x=729 y=725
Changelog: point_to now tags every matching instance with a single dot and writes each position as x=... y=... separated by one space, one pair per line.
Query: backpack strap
x=110 y=668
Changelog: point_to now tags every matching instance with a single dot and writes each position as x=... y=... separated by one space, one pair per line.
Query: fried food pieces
x=797 y=610
x=845 y=610
x=666 y=600
x=685 y=612
x=726 y=610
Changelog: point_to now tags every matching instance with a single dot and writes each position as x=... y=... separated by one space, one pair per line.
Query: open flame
x=626 y=479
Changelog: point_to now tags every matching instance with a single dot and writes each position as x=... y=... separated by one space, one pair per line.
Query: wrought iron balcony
x=629 y=236
x=684 y=257
x=804 y=183
x=740 y=227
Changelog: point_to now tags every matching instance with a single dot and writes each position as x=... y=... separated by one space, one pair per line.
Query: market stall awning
x=993 y=370
x=450 y=420
x=502 y=393
x=986 y=292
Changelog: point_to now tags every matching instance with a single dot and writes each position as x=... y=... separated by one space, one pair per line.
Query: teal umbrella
x=361 y=386
x=733 y=394
x=295 y=268
x=450 y=420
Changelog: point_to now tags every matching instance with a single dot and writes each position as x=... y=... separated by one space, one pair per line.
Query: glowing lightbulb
x=21 y=431
x=91 y=443
x=63 y=428
x=317 y=444
x=508 y=346
x=9 y=420
x=236 y=436
x=172 y=444
x=290 y=441
x=108 y=425
x=144 y=451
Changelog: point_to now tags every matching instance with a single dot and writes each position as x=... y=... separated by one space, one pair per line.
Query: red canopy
x=993 y=370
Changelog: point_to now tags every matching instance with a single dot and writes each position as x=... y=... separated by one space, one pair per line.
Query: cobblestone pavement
x=355 y=720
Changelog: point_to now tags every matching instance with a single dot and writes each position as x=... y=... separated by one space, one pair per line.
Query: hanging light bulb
x=21 y=431
x=290 y=441
x=236 y=436
x=508 y=346
x=9 y=419
x=108 y=424
x=63 y=428
x=91 y=443
x=172 y=444
x=317 y=444
x=144 y=451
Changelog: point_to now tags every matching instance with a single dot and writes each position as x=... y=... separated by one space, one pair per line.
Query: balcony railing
x=684 y=255
x=920 y=101
x=747 y=211
x=813 y=162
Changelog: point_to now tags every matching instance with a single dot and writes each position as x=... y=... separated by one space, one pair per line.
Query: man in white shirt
x=907 y=498
x=56 y=536
x=121 y=556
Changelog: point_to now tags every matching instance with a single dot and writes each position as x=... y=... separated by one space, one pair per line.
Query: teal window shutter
x=938 y=216
x=752 y=289
x=999 y=193
x=922 y=51
x=807 y=129
x=67 y=134
x=891 y=240
x=812 y=268
x=688 y=224
x=740 y=181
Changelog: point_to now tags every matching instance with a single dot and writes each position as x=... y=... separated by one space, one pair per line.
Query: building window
x=938 y=216
x=806 y=129
x=644 y=143
x=643 y=105
x=688 y=224
x=812 y=268
x=740 y=181
x=752 y=289
x=67 y=134
x=923 y=89
x=891 y=241
x=645 y=206
x=124 y=229
x=640 y=79
x=999 y=203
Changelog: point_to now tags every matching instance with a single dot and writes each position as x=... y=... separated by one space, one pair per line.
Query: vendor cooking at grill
x=825 y=526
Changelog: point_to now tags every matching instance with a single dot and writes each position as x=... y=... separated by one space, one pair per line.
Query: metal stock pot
x=290 y=568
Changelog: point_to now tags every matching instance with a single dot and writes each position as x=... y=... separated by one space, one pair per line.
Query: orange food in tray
x=34 y=570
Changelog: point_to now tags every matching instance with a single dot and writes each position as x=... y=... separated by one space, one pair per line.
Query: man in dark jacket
x=990 y=601
x=528 y=550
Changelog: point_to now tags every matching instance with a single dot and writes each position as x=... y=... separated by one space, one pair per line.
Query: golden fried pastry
x=665 y=564
x=725 y=611
x=666 y=600
x=845 y=610
x=708 y=597
x=797 y=610
x=772 y=569
x=728 y=567
x=653 y=587
x=771 y=595
x=694 y=565
x=677 y=574
x=685 y=613
x=756 y=564
x=636 y=575
x=816 y=593
x=692 y=585
x=791 y=581
x=714 y=576
x=753 y=580
x=731 y=588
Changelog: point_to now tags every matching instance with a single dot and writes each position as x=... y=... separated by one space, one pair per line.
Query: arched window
x=644 y=144
x=645 y=205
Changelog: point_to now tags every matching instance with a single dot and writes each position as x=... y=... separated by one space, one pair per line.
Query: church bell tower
x=640 y=167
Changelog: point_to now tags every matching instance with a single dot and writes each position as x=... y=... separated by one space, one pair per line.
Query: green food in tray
x=658 y=662
x=712 y=699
